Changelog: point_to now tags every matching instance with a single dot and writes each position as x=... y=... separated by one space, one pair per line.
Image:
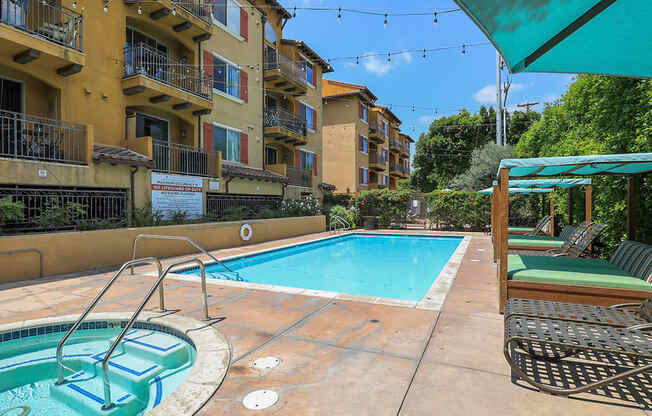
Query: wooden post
x=552 y=217
x=633 y=187
x=503 y=213
x=571 y=206
x=589 y=203
x=494 y=228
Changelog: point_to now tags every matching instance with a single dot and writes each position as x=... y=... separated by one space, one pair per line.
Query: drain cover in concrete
x=260 y=399
x=265 y=363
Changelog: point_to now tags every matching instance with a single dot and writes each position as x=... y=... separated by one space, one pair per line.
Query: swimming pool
x=401 y=267
x=150 y=363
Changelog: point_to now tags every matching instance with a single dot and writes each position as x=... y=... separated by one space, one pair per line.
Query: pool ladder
x=337 y=221
x=108 y=404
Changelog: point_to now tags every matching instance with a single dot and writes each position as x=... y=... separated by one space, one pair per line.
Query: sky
x=446 y=80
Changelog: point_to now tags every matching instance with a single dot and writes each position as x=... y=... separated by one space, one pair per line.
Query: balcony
x=405 y=150
x=184 y=18
x=377 y=162
x=184 y=160
x=156 y=79
x=281 y=125
x=45 y=33
x=285 y=75
x=24 y=136
x=395 y=145
x=395 y=170
x=299 y=177
x=377 y=132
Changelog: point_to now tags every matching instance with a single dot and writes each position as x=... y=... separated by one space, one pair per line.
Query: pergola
x=631 y=165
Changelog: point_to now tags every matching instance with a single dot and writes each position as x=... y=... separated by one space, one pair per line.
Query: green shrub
x=10 y=211
x=267 y=213
x=305 y=207
x=459 y=209
x=56 y=215
x=389 y=206
x=105 y=224
x=234 y=214
x=348 y=214
x=146 y=217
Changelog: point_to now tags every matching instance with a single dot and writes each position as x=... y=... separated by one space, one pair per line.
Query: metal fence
x=299 y=177
x=182 y=159
x=219 y=204
x=377 y=128
x=50 y=209
x=46 y=19
x=377 y=158
x=141 y=59
x=396 y=144
x=25 y=136
x=277 y=117
x=201 y=9
x=275 y=60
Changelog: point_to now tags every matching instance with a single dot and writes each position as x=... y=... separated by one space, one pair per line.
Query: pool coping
x=211 y=363
x=432 y=300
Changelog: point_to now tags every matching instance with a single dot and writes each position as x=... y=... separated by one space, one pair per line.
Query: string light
x=424 y=54
x=174 y=11
x=463 y=49
x=140 y=10
x=106 y=6
x=74 y=4
x=294 y=14
x=435 y=17
x=385 y=23
x=409 y=51
x=357 y=60
x=339 y=14
x=389 y=57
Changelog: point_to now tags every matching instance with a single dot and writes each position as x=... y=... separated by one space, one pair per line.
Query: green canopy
x=624 y=164
x=519 y=191
x=569 y=36
x=548 y=183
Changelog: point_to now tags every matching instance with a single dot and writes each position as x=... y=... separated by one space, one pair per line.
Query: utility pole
x=499 y=102
x=527 y=105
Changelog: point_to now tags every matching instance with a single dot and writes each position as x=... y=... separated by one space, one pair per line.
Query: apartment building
x=399 y=158
x=358 y=136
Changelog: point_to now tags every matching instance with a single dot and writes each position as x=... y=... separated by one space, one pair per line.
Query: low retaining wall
x=71 y=252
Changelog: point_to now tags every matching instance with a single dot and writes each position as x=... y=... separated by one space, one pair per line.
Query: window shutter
x=297 y=158
x=361 y=172
x=297 y=57
x=314 y=119
x=297 y=108
x=244 y=148
x=360 y=143
x=360 y=110
x=208 y=63
x=315 y=171
x=314 y=75
x=244 y=86
x=208 y=137
x=244 y=24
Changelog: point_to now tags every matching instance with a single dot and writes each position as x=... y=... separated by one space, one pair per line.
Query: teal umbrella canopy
x=612 y=37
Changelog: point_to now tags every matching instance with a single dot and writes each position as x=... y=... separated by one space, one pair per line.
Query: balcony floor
x=285 y=136
x=343 y=356
x=277 y=80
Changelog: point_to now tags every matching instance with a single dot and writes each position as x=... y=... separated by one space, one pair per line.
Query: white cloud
x=407 y=57
x=487 y=94
x=377 y=66
x=426 y=120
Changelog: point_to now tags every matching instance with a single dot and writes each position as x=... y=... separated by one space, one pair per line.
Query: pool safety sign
x=176 y=193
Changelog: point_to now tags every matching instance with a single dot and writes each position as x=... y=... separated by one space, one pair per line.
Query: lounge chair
x=554 y=340
x=577 y=244
x=569 y=234
x=543 y=222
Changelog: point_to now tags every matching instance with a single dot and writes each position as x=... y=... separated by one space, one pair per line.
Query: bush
x=10 y=211
x=267 y=213
x=305 y=207
x=56 y=215
x=235 y=214
x=105 y=224
x=348 y=214
x=388 y=206
x=459 y=210
x=146 y=217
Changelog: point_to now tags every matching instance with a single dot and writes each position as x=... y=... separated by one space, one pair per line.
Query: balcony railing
x=377 y=128
x=395 y=144
x=45 y=19
x=299 y=177
x=142 y=59
x=395 y=167
x=24 y=136
x=377 y=158
x=201 y=9
x=286 y=65
x=182 y=159
x=277 y=117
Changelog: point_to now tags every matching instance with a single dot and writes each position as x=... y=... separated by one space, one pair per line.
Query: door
x=11 y=107
x=158 y=130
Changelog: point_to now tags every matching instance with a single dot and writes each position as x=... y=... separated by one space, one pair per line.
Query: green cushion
x=520 y=229
x=571 y=271
x=535 y=241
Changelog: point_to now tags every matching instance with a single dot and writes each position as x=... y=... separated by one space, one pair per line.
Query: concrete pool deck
x=342 y=356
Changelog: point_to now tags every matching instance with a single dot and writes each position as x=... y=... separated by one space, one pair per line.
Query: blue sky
x=447 y=80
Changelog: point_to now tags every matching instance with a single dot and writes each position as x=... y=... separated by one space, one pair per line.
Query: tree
x=482 y=170
x=518 y=123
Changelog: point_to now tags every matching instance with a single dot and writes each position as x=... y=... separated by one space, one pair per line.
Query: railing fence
x=182 y=159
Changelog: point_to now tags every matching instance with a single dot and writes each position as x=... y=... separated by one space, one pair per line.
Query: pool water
x=145 y=368
x=380 y=265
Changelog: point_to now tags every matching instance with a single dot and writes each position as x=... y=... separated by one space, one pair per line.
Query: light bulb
x=357 y=60
x=140 y=10
x=106 y=7
x=339 y=15
x=389 y=57
x=174 y=12
x=385 y=23
x=294 y=13
x=463 y=49
x=74 y=4
x=435 y=17
x=424 y=54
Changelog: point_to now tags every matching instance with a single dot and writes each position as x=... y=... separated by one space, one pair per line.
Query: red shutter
x=297 y=108
x=297 y=57
x=244 y=86
x=315 y=171
x=208 y=137
x=244 y=148
x=360 y=110
x=314 y=76
x=360 y=143
x=208 y=63
x=244 y=24
x=297 y=158
x=361 y=173
x=314 y=119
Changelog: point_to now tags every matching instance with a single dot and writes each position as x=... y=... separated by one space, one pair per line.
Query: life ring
x=246 y=232
x=24 y=411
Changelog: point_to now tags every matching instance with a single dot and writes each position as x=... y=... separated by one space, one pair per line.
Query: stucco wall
x=79 y=251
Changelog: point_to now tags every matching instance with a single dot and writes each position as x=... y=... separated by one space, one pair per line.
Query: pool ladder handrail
x=177 y=237
x=337 y=220
x=60 y=366
x=105 y=362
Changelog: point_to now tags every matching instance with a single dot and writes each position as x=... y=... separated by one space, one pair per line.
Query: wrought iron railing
x=394 y=167
x=24 y=136
x=182 y=159
x=393 y=144
x=377 y=128
x=299 y=177
x=201 y=9
x=46 y=19
x=141 y=59
x=277 y=117
x=275 y=60
x=217 y=205
x=377 y=158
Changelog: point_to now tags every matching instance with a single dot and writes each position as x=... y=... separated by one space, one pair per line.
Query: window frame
x=365 y=110
x=227 y=129
x=303 y=160
x=307 y=107
x=364 y=179
x=227 y=66
x=225 y=26
x=365 y=146
x=267 y=149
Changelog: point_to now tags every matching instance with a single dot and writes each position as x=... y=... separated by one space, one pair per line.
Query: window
x=308 y=114
x=364 y=113
x=226 y=77
x=309 y=73
x=156 y=128
x=227 y=12
x=136 y=37
x=386 y=128
x=384 y=155
x=364 y=176
x=271 y=156
x=363 y=145
x=227 y=141
x=306 y=160
x=270 y=33
x=385 y=180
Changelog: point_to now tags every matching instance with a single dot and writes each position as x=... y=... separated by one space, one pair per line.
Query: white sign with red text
x=177 y=193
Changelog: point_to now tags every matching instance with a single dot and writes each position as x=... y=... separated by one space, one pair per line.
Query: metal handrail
x=28 y=250
x=105 y=362
x=60 y=366
x=335 y=219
